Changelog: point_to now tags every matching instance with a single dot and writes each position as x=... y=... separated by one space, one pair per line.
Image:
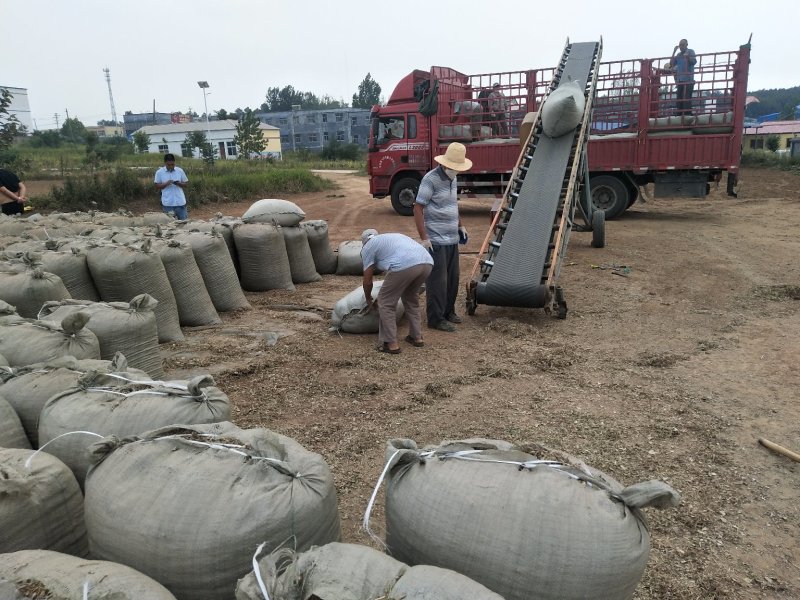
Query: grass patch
x=765 y=158
x=777 y=293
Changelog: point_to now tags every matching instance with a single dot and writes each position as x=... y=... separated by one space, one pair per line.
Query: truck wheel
x=404 y=192
x=609 y=194
x=598 y=229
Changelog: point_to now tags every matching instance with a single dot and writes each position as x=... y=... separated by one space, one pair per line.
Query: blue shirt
x=683 y=63
x=390 y=252
x=172 y=195
x=438 y=196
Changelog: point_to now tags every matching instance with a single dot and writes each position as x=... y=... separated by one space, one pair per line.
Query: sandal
x=385 y=348
x=414 y=342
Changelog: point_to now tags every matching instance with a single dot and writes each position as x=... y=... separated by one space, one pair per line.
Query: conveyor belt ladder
x=521 y=256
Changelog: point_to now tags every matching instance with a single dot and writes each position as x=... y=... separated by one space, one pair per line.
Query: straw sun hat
x=455 y=158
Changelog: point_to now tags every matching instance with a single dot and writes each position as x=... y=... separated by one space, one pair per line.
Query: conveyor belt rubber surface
x=516 y=275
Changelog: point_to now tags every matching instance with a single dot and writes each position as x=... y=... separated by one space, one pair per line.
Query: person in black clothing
x=12 y=193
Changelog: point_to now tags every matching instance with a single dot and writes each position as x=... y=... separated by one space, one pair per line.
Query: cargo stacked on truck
x=521 y=257
x=639 y=134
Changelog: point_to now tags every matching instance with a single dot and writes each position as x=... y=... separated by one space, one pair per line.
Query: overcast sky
x=159 y=49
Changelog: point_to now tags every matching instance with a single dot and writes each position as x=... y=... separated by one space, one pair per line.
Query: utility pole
x=66 y=110
x=56 y=116
x=110 y=95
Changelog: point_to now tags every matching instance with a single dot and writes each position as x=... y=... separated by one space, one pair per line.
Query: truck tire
x=609 y=194
x=402 y=201
x=598 y=229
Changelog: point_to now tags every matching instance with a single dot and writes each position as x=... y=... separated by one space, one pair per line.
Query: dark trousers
x=685 y=91
x=13 y=208
x=441 y=289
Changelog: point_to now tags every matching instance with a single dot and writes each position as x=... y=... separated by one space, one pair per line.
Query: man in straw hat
x=439 y=226
x=407 y=265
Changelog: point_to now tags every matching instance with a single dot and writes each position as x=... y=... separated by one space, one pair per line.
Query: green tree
x=74 y=131
x=141 y=140
x=369 y=93
x=249 y=138
x=222 y=114
x=50 y=138
x=9 y=124
x=773 y=142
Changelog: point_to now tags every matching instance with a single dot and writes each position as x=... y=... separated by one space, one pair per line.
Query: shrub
x=99 y=191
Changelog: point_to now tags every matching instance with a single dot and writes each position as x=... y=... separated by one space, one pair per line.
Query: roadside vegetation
x=770 y=159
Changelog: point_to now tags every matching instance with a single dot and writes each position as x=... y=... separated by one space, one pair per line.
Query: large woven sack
x=263 y=260
x=279 y=212
x=301 y=261
x=72 y=268
x=41 y=506
x=188 y=505
x=30 y=289
x=156 y=218
x=12 y=434
x=349 y=312
x=126 y=327
x=60 y=576
x=28 y=388
x=29 y=341
x=122 y=272
x=352 y=572
x=562 y=111
x=349 y=258
x=324 y=256
x=528 y=526
x=222 y=226
x=194 y=304
x=216 y=267
x=123 y=408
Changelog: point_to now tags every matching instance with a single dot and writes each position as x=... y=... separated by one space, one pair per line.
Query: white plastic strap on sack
x=30 y=458
x=278 y=464
x=257 y=571
x=365 y=522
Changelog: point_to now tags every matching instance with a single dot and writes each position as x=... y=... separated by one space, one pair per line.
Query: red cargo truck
x=640 y=133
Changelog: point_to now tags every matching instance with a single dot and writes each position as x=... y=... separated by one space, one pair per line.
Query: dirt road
x=670 y=373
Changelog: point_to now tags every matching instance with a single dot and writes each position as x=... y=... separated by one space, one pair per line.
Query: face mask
x=450 y=173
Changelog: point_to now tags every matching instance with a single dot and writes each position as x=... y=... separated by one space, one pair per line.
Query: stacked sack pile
x=117 y=483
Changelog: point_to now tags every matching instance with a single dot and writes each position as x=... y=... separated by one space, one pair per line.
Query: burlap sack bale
x=126 y=327
x=216 y=267
x=227 y=492
x=41 y=506
x=324 y=256
x=194 y=303
x=60 y=576
x=120 y=219
x=3 y=361
x=222 y=225
x=127 y=236
x=8 y=313
x=18 y=248
x=301 y=261
x=156 y=218
x=30 y=289
x=279 y=212
x=72 y=268
x=349 y=312
x=12 y=434
x=123 y=408
x=562 y=111
x=543 y=526
x=28 y=341
x=263 y=258
x=12 y=225
x=352 y=572
x=123 y=272
x=28 y=388
x=348 y=260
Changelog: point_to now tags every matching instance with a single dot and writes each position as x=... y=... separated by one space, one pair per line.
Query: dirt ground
x=670 y=373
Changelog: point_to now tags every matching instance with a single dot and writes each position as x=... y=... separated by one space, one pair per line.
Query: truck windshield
x=388 y=129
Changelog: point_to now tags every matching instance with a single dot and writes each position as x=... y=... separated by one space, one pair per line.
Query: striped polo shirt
x=438 y=196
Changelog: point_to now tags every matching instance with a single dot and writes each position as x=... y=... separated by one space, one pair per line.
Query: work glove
x=462 y=235
x=427 y=245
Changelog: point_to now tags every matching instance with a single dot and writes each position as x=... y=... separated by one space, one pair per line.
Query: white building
x=20 y=107
x=168 y=138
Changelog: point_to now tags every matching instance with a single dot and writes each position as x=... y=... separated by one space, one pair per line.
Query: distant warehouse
x=20 y=107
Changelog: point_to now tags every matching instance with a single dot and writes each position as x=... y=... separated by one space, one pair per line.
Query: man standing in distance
x=12 y=193
x=682 y=64
x=171 y=180
x=439 y=226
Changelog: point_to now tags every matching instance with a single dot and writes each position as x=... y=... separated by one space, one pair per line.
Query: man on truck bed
x=682 y=65
x=439 y=226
